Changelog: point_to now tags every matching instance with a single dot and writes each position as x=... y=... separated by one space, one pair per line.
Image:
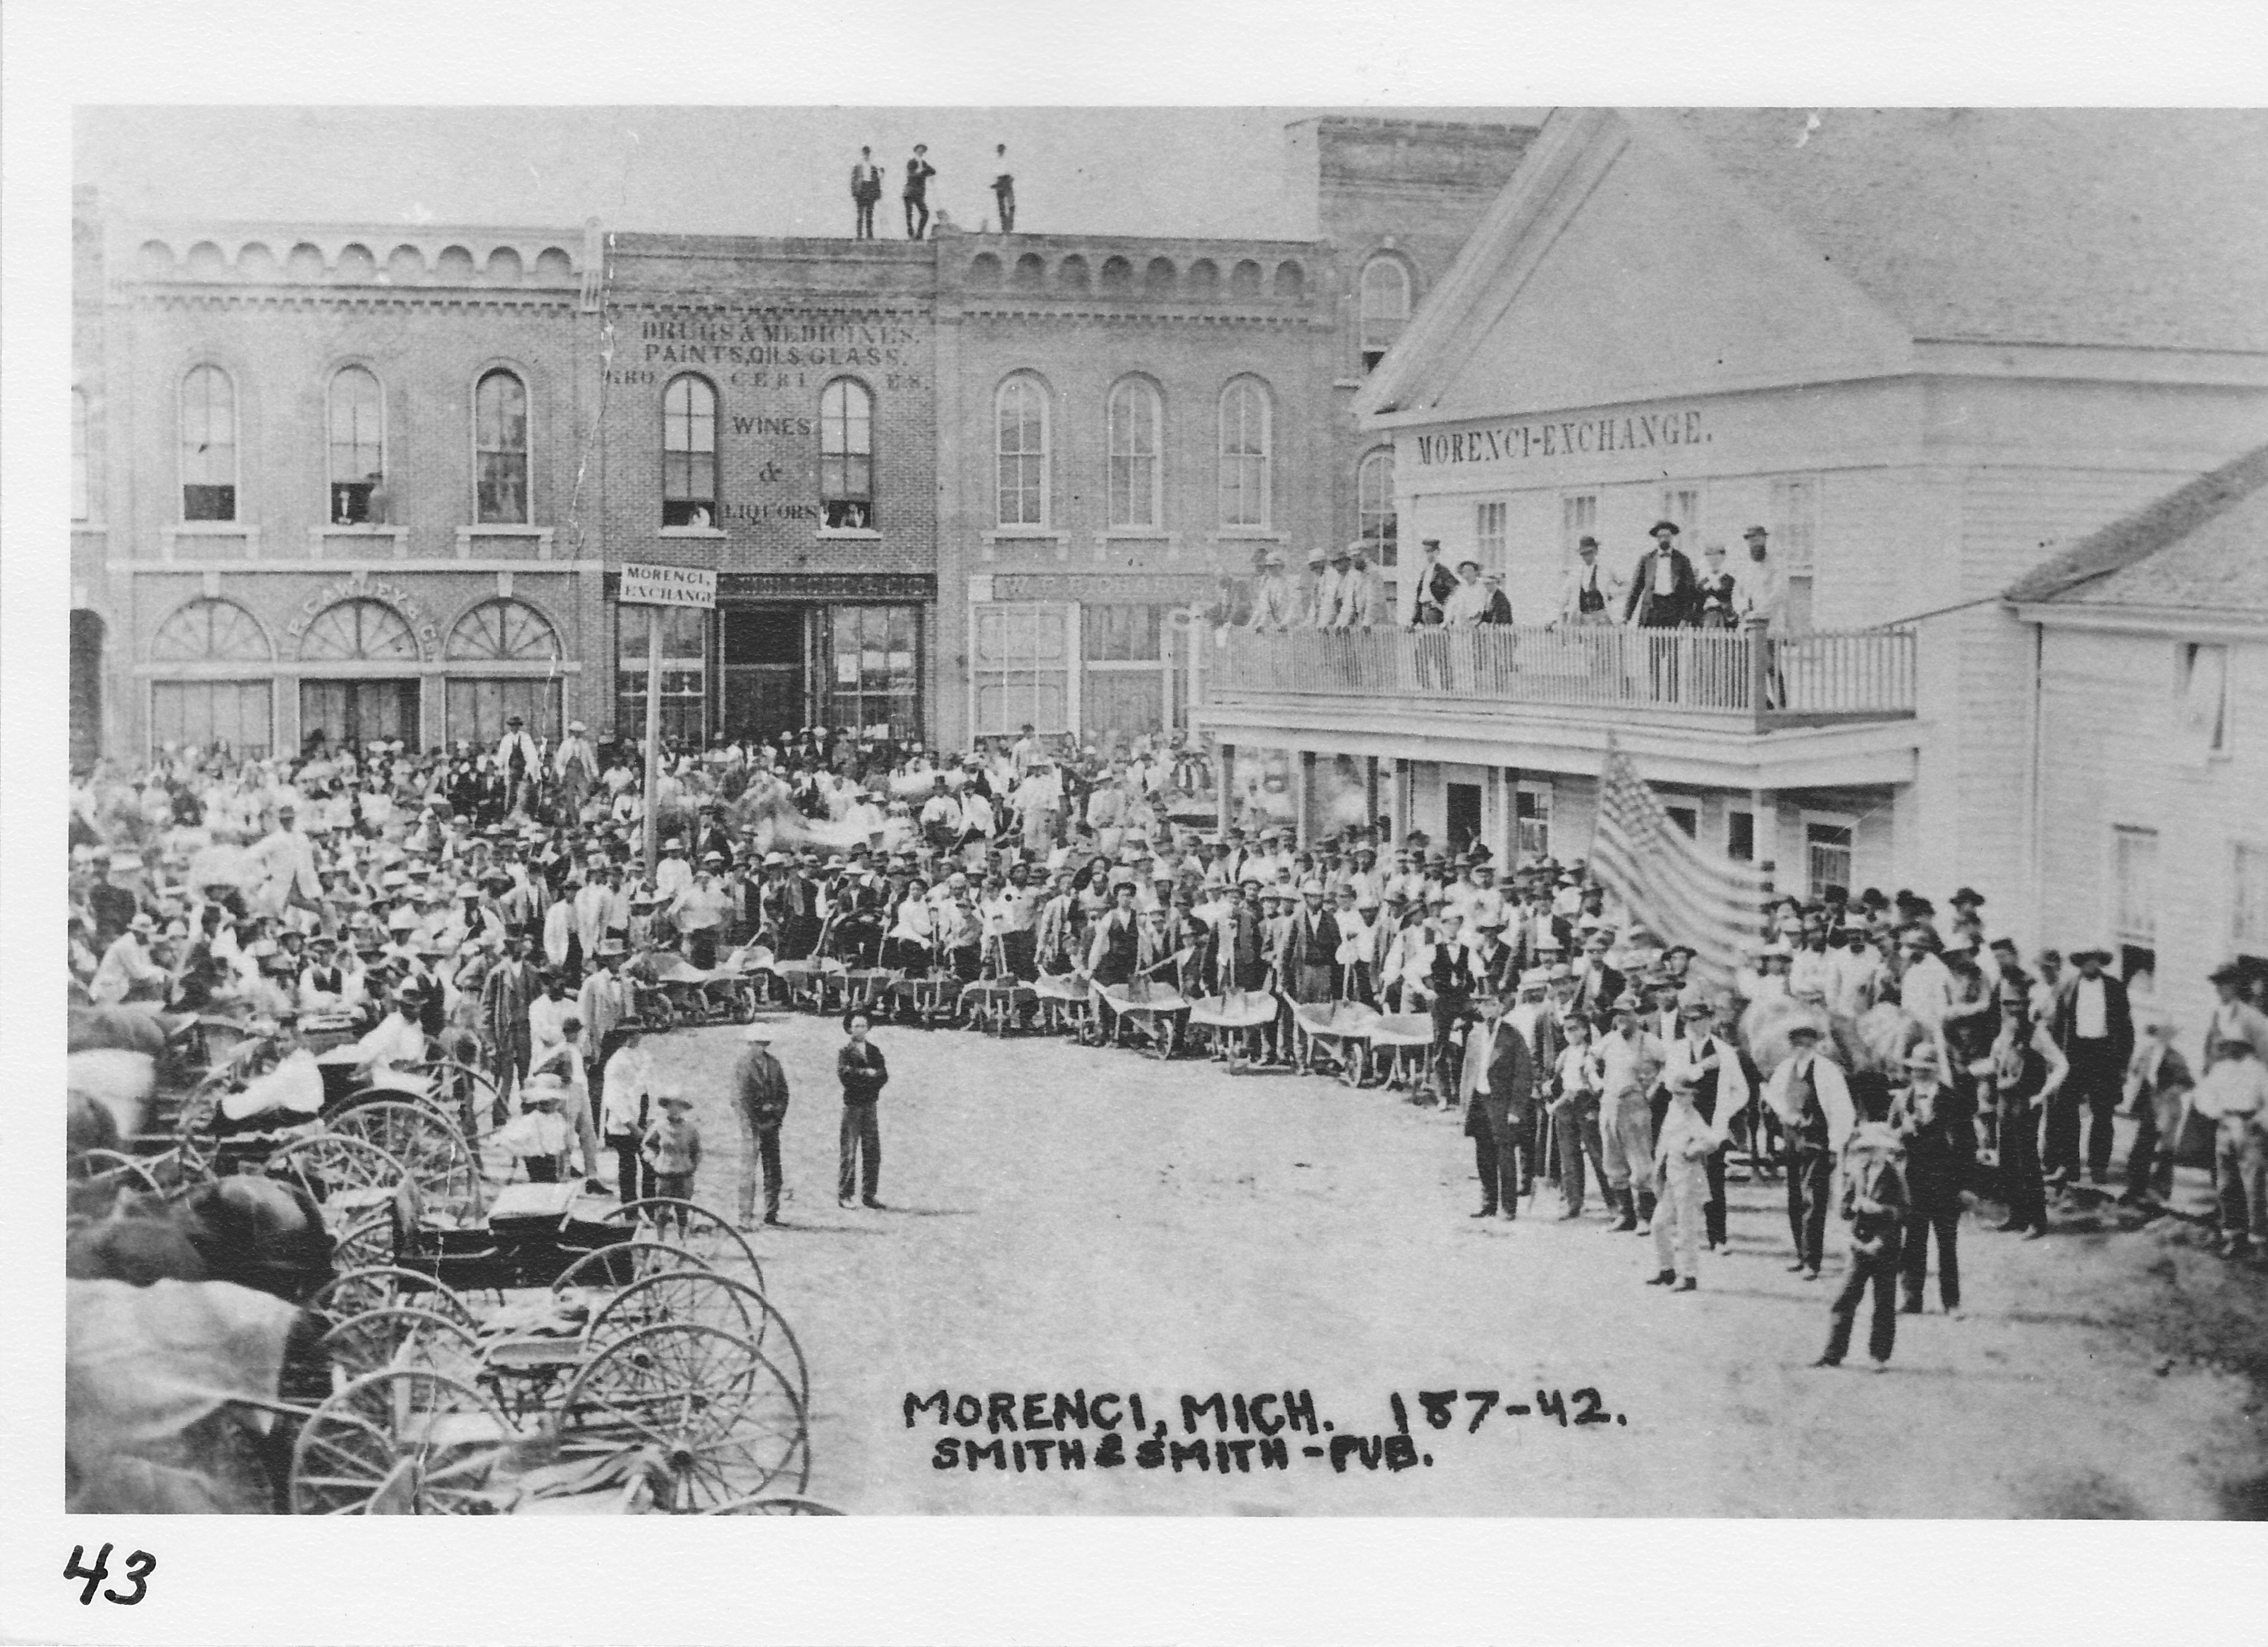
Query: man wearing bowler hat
x=1664 y=594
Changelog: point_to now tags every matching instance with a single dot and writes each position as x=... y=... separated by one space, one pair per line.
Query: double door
x=762 y=652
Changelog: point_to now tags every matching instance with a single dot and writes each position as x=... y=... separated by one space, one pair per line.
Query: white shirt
x=2090 y=1016
x=397 y=1041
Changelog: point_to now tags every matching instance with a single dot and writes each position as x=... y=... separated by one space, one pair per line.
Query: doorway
x=1464 y=816
x=358 y=711
x=763 y=659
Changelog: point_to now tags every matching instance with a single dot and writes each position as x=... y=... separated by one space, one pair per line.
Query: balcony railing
x=1713 y=675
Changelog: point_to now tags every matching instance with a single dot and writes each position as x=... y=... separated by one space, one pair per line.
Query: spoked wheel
x=113 y=1170
x=709 y=1236
x=624 y=1264
x=406 y=1441
x=771 y=1504
x=344 y=1174
x=719 y=1422
x=379 y=1286
x=467 y=1095
x=747 y=1004
x=365 y=1244
x=427 y=1143
x=396 y=1335
x=706 y=1299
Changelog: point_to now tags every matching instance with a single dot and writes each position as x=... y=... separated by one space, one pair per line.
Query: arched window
x=500 y=449
x=79 y=499
x=846 y=455
x=1385 y=306
x=502 y=631
x=1135 y=416
x=1374 y=488
x=210 y=631
x=357 y=445
x=208 y=444
x=359 y=630
x=1021 y=443
x=1245 y=447
x=688 y=453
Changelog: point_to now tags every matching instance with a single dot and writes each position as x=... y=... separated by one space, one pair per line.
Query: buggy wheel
x=466 y=1094
x=344 y=1174
x=116 y=1171
x=745 y=1011
x=705 y=1299
x=611 y=1268
x=709 y=1236
x=379 y=1286
x=720 y=1422
x=365 y=1244
x=403 y=1441
x=427 y=1143
x=397 y=1335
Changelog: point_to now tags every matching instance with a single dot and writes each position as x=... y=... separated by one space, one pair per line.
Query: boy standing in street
x=1875 y=1203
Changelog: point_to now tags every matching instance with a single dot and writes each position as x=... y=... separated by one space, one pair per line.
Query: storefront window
x=1021 y=667
x=684 y=672
x=1123 y=696
x=875 y=679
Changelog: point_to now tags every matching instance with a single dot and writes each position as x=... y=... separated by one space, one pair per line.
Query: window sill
x=357 y=534
x=847 y=534
x=694 y=532
x=1033 y=536
x=1250 y=535
x=248 y=536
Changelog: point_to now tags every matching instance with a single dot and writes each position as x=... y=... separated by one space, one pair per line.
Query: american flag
x=1670 y=887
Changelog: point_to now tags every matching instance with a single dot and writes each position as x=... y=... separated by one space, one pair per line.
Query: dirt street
x=1066 y=1219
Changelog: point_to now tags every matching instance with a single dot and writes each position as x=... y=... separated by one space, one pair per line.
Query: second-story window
x=688 y=453
x=846 y=456
x=1020 y=444
x=357 y=447
x=1244 y=448
x=1135 y=416
x=1385 y=307
x=500 y=449
x=208 y=444
x=1374 y=489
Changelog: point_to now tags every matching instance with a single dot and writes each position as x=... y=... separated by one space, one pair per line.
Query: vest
x=1810 y=1130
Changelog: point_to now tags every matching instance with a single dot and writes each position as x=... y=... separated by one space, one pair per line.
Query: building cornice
x=2154 y=622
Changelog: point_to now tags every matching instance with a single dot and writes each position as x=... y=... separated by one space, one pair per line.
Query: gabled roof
x=2121 y=228
x=2143 y=228
x=2205 y=546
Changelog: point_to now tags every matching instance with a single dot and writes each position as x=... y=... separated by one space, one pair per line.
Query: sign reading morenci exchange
x=667 y=586
x=1567 y=437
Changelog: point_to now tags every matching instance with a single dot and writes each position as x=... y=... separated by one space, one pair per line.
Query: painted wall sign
x=667 y=586
x=357 y=586
x=1566 y=438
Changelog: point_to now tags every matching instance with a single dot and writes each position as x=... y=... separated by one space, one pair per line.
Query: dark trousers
x=541 y=1169
x=1446 y=1059
x=1810 y=1178
x=768 y=1152
x=866 y=229
x=916 y=226
x=1021 y=951
x=1712 y=1211
x=862 y=1148
x=1913 y=1268
x=2092 y=1088
x=1880 y=1270
x=1496 y=1153
x=701 y=947
x=2144 y=1160
x=2020 y=1164
x=633 y=1178
x=1007 y=200
x=1578 y=1129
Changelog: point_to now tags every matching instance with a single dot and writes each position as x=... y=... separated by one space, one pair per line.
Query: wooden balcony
x=1718 y=680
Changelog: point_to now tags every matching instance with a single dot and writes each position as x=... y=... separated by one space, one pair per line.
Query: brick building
x=369 y=481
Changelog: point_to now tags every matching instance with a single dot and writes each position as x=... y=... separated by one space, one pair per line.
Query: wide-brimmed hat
x=1661 y=526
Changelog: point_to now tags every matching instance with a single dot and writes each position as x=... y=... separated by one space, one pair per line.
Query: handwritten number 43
x=139 y=1566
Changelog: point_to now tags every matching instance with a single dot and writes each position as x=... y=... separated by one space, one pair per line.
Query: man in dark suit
x=1664 y=594
x=1597 y=985
x=919 y=173
x=866 y=189
x=2094 y=1024
x=1498 y=1088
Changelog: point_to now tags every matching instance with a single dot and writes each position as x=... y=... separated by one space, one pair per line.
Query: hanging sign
x=667 y=586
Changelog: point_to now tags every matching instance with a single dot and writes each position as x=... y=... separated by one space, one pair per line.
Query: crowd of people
x=1892 y=1065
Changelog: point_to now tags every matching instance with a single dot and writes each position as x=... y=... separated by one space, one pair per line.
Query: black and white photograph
x=1071 y=808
